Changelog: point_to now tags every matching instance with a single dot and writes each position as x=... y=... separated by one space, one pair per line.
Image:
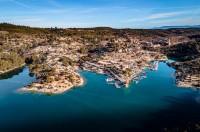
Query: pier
x=155 y=65
x=116 y=85
x=117 y=77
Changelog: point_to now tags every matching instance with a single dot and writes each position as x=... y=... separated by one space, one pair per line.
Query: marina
x=116 y=80
x=138 y=78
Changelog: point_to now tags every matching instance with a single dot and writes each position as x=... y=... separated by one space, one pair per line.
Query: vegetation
x=21 y=29
x=184 y=52
x=17 y=41
x=66 y=61
x=11 y=73
x=10 y=61
x=190 y=67
x=188 y=55
x=38 y=67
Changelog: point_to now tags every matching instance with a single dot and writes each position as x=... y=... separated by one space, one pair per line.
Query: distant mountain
x=186 y=26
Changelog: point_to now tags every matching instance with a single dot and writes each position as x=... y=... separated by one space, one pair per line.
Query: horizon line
x=99 y=26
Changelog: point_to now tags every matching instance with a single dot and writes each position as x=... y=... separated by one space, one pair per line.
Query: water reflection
x=12 y=73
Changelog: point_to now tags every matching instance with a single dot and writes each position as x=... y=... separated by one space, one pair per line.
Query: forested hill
x=143 y=33
x=184 y=51
x=21 y=29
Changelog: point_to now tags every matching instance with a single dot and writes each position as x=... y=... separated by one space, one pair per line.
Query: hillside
x=54 y=54
x=170 y=27
x=21 y=29
x=183 y=51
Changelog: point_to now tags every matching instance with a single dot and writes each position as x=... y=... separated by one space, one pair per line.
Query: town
x=55 y=55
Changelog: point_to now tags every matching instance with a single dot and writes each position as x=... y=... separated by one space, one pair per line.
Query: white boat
x=143 y=72
x=142 y=77
x=109 y=80
x=136 y=78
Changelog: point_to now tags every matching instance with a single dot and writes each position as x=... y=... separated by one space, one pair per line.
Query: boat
x=142 y=77
x=137 y=78
x=109 y=80
x=144 y=72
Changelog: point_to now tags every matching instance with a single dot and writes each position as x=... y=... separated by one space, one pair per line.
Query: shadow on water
x=12 y=73
x=183 y=113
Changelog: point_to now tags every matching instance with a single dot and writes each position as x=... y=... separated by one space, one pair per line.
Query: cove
x=152 y=104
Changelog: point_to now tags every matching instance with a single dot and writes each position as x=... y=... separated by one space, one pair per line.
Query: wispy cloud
x=168 y=14
x=25 y=20
x=68 y=10
x=160 y=15
x=22 y=4
x=195 y=20
x=177 y=7
x=157 y=16
x=54 y=11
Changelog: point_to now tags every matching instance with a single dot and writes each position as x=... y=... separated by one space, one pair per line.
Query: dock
x=155 y=65
x=116 y=85
x=117 y=77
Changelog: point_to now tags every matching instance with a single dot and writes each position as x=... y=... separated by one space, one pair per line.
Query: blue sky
x=93 y=13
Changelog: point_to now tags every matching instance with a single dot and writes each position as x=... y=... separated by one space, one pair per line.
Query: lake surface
x=154 y=103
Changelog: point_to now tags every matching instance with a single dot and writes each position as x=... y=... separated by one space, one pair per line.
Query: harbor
x=120 y=103
x=117 y=83
x=139 y=77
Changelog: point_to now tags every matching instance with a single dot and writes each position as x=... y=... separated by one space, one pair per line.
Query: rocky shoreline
x=55 y=87
x=53 y=55
x=187 y=73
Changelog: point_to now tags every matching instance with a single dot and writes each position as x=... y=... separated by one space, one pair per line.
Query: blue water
x=97 y=105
